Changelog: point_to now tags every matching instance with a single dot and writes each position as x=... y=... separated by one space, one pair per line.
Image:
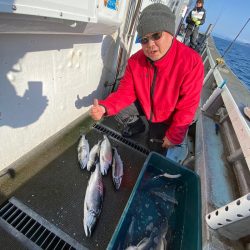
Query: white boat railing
x=232 y=219
x=239 y=123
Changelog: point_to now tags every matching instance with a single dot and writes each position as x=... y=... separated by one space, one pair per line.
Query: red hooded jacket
x=168 y=90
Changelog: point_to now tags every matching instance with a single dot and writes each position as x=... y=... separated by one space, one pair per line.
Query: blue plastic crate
x=161 y=207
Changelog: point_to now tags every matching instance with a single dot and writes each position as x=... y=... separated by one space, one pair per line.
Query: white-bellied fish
x=105 y=155
x=170 y=176
x=130 y=233
x=156 y=240
x=83 y=152
x=117 y=169
x=93 y=201
x=165 y=197
x=93 y=154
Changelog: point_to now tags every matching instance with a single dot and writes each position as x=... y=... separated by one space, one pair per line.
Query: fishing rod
x=231 y=44
x=218 y=18
x=220 y=60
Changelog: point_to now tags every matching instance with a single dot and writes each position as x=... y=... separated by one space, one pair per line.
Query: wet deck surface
x=57 y=193
x=9 y=242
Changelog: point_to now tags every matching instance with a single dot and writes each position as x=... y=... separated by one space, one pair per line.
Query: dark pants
x=192 y=33
x=155 y=130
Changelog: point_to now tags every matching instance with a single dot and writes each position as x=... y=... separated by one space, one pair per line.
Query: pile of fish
x=99 y=158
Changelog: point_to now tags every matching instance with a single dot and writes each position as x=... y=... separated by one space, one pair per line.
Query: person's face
x=155 y=45
x=199 y=5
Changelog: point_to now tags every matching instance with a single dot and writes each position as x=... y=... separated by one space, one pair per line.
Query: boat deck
x=57 y=192
x=53 y=185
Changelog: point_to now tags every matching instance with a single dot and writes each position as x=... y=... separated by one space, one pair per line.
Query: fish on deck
x=117 y=169
x=93 y=200
x=93 y=155
x=83 y=152
x=105 y=155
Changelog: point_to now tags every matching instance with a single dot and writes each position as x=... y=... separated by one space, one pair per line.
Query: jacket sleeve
x=187 y=103
x=203 y=17
x=124 y=96
x=189 y=18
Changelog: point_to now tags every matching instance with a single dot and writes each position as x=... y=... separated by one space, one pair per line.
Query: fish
x=130 y=235
x=132 y=248
x=165 y=197
x=83 y=152
x=117 y=169
x=156 y=240
x=93 y=201
x=131 y=231
x=160 y=239
x=93 y=154
x=170 y=176
x=105 y=155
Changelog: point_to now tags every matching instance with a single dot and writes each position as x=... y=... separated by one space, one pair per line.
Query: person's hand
x=197 y=23
x=167 y=143
x=194 y=19
x=97 y=111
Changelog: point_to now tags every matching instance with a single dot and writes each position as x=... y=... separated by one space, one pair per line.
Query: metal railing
x=232 y=219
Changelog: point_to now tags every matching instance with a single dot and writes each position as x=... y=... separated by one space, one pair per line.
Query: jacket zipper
x=152 y=89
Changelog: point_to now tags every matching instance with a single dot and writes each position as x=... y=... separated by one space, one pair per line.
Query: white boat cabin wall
x=55 y=58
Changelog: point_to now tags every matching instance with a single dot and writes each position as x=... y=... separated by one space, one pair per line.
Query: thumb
x=95 y=102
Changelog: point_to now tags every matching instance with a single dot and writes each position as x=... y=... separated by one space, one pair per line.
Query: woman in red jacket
x=165 y=77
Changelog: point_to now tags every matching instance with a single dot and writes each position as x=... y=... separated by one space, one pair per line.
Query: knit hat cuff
x=154 y=18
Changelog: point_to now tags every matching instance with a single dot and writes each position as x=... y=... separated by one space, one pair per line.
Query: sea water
x=237 y=58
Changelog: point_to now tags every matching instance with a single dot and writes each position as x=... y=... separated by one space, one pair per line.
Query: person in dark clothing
x=195 y=18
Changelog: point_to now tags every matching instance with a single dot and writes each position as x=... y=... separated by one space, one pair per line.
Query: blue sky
x=231 y=15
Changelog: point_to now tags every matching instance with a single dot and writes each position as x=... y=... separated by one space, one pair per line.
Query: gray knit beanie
x=156 y=17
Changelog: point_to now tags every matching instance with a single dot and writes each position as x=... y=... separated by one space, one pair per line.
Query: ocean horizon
x=238 y=40
x=237 y=58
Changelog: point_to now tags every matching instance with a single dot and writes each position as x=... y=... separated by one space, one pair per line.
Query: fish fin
x=143 y=241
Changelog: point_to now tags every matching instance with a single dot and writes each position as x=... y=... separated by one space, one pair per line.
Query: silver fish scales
x=105 y=155
x=117 y=169
x=83 y=152
x=94 y=153
x=93 y=201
